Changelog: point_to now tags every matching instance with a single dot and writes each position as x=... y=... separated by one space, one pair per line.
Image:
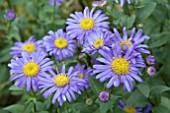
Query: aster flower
x=25 y=70
x=104 y=96
x=29 y=46
x=135 y=39
x=150 y=60
x=151 y=71
x=96 y=41
x=119 y=68
x=55 y=2
x=81 y=24
x=83 y=74
x=122 y=2
x=147 y=109
x=9 y=15
x=63 y=85
x=59 y=44
x=129 y=109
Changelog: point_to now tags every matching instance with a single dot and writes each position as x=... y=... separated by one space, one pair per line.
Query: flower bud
x=9 y=15
x=151 y=70
x=104 y=96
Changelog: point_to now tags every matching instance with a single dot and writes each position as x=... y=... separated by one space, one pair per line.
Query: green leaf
x=158 y=40
x=137 y=99
x=96 y=86
x=144 y=88
x=16 y=91
x=105 y=106
x=29 y=108
x=144 y=12
x=16 y=108
x=32 y=9
x=165 y=102
x=4 y=73
x=159 y=89
x=117 y=110
x=14 y=33
x=156 y=92
x=160 y=109
x=43 y=112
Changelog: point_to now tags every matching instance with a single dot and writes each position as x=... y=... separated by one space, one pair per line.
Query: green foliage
x=37 y=17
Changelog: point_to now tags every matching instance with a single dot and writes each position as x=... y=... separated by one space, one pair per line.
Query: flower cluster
x=119 y=58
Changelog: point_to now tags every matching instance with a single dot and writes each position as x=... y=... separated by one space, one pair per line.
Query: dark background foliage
x=37 y=17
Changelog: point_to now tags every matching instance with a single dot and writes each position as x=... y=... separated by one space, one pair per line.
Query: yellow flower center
x=29 y=47
x=61 y=80
x=87 y=23
x=129 y=109
x=80 y=75
x=120 y=66
x=98 y=43
x=31 y=69
x=60 y=43
x=128 y=43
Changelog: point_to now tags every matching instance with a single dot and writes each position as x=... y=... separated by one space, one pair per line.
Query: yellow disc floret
x=128 y=43
x=87 y=23
x=60 y=43
x=120 y=66
x=61 y=80
x=31 y=69
x=129 y=109
x=98 y=43
x=29 y=47
x=80 y=75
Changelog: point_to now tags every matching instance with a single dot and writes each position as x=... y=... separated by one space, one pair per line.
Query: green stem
x=8 y=27
x=53 y=18
x=66 y=107
x=33 y=96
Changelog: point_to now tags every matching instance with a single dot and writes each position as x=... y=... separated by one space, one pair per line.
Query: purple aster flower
x=83 y=74
x=147 y=109
x=29 y=46
x=59 y=44
x=64 y=85
x=99 y=3
x=135 y=39
x=122 y=2
x=81 y=24
x=150 y=60
x=9 y=15
x=25 y=70
x=104 y=96
x=129 y=109
x=119 y=68
x=55 y=2
x=96 y=41
x=151 y=71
